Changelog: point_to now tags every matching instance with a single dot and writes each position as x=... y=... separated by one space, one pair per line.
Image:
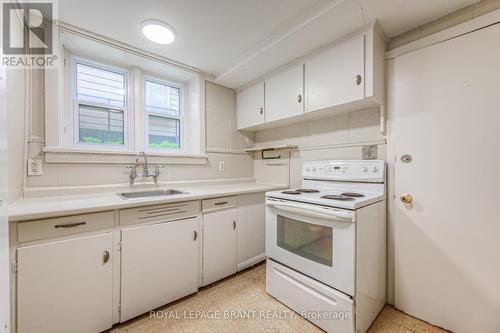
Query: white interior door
x=447 y=117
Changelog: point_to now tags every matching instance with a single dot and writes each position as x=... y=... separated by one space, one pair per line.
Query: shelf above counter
x=262 y=150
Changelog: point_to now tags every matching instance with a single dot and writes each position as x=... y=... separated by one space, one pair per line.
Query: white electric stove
x=326 y=244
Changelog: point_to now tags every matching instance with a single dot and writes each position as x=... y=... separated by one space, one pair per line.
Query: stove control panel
x=354 y=170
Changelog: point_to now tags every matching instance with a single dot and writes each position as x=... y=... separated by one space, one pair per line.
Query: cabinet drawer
x=307 y=296
x=62 y=226
x=219 y=203
x=158 y=213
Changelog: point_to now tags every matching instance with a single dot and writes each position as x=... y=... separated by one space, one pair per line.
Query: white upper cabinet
x=250 y=106
x=336 y=76
x=345 y=76
x=285 y=94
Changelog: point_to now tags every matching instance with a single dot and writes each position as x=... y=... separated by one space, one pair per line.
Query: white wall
x=222 y=135
x=4 y=230
x=15 y=130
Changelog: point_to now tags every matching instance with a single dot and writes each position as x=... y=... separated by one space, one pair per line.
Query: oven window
x=310 y=241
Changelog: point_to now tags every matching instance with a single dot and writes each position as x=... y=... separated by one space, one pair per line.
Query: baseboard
x=252 y=261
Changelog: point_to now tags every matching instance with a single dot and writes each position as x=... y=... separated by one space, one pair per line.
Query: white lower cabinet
x=251 y=229
x=66 y=286
x=159 y=265
x=219 y=244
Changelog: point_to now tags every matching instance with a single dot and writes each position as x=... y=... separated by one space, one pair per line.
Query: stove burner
x=353 y=194
x=337 y=197
x=291 y=192
x=307 y=190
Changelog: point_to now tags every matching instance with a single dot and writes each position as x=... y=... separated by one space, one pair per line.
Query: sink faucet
x=145 y=170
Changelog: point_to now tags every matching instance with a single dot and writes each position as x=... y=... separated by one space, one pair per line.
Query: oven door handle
x=311 y=211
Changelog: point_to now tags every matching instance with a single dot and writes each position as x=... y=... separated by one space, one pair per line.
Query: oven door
x=314 y=240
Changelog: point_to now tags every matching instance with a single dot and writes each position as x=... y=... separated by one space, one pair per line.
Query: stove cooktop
x=337 y=198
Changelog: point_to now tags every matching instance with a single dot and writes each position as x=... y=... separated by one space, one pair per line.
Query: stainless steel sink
x=146 y=194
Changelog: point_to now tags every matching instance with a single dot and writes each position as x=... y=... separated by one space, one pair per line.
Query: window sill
x=87 y=156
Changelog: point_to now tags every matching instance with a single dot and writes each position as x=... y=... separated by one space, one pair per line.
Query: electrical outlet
x=369 y=152
x=35 y=167
x=221 y=166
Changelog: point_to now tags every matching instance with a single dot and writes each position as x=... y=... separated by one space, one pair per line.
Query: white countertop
x=53 y=206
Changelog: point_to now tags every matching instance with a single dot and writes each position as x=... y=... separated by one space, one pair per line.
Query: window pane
x=100 y=125
x=164 y=132
x=164 y=99
x=100 y=86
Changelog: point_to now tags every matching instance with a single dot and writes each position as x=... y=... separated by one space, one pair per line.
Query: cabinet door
x=331 y=77
x=66 y=286
x=159 y=265
x=251 y=229
x=285 y=94
x=250 y=108
x=219 y=245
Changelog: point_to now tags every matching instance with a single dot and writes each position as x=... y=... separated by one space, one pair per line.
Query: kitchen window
x=100 y=105
x=107 y=102
x=164 y=115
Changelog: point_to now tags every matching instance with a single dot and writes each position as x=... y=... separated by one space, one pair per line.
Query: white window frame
x=60 y=147
x=181 y=118
x=75 y=103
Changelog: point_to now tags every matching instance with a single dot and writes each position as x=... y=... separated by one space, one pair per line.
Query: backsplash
x=337 y=137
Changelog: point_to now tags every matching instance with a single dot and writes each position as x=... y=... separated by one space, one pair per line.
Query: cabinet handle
x=195 y=235
x=105 y=257
x=69 y=225
x=358 y=79
x=234 y=224
x=220 y=203
x=299 y=98
x=261 y=110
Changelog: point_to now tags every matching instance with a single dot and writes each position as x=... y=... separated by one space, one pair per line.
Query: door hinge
x=119 y=307
x=119 y=246
x=15 y=267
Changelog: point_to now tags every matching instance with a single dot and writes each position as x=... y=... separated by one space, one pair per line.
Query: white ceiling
x=240 y=40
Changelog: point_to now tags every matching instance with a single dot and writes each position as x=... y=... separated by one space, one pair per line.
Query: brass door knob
x=406 y=198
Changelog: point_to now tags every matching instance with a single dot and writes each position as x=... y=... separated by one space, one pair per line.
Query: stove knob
x=365 y=169
x=314 y=169
x=375 y=169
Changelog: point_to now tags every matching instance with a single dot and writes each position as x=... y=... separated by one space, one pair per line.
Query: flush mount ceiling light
x=158 y=32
